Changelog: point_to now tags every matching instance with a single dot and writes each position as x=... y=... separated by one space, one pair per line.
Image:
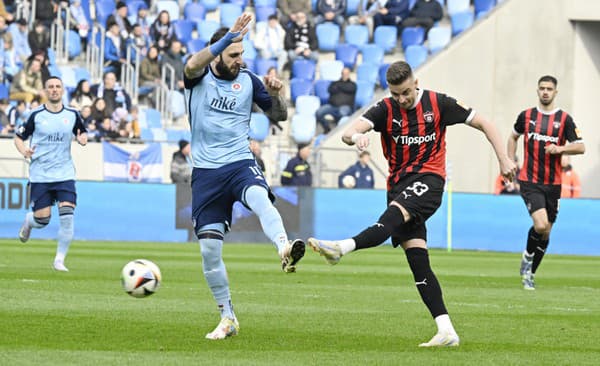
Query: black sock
x=540 y=250
x=379 y=232
x=427 y=284
x=533 y=241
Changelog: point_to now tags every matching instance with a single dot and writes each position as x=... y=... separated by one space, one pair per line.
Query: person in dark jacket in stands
x=297 y=172
x=301 y=40
x=424 y=14
x=341 y=101
x=358 y=175
x=181 y=169
x=393 y=13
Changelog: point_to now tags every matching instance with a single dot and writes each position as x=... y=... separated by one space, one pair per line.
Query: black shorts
x=538 y=196
x=420 y=195
x=44 y=195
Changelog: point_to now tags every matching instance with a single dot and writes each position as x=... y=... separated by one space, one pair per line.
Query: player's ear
x=416 y=83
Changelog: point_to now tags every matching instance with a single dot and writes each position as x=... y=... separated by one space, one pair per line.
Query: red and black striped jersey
x=540 y=129
x=413 y=140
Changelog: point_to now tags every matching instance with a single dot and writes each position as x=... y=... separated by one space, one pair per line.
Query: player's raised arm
x=355 y=134
x=197 y=62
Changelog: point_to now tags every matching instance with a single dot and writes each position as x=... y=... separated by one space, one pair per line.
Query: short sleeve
x=572 y=133
x=519 y=126
x=453 y=111
x=27 y=128
x=79 y=126
x=377 y=116
x=260 y=96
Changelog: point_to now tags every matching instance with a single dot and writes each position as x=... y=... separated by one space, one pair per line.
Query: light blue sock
x=257 y=198
x=65 y=232
x=211 y=248
x=35 y=224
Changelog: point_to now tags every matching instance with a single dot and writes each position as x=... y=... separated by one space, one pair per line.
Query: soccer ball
x=140 y=278
x=348 y=181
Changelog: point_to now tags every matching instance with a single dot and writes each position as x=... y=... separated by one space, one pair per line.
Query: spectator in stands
x=571 y=185
x=121 y=122
x=112 y=93
x=341 y=100
x=11 y=61
x=288 y=10
x=270 y=42
x=119 y=16
x=79 y=22
x=257 y=152
x=27 y=83
x=99 y=113
x=39 y=39
x=135 y=123
x=20 y=41
x=42 y=57
x=358 y=175
x=162 y=32
x=139 y=40
x=181 y=164
x=89 y=123
x=424 y=14
x=393 y=13
x=82 y=95
x=366 y=10
x=45 y=12
x=149 y=76
x=330 y=11
x=107 y=131
x=114 y=49
x=301 y=40
x=174 y=58
x=8 y=118
x=142 y=20
x=297 y=172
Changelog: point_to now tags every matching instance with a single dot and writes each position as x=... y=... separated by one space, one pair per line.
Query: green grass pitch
x=364 y=311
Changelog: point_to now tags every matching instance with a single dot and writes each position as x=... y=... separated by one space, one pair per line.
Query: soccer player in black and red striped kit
x=412 y=124
x=546 y=131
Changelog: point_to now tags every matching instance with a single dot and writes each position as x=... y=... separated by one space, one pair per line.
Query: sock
x=376 y=234
x=540 y=250
x=257 y=198
x=533 y=241
x=444 y=324
x=347 y=245
x=36 y=222
x=427 y=284
x=215 y=273
x=65 y=232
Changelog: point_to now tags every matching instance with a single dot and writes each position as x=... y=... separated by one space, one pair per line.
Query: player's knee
x=392 y=218
x=542 y=227
x=257 y=199
x=42 y=221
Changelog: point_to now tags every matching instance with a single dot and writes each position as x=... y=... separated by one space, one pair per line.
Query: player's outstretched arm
x=569 y=149
x=355 y=134
x=507 y=165
x=197 y=62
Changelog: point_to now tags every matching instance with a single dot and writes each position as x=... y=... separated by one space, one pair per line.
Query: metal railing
x=59 y=39
x=129 y=73
x=163 y=93
x=23 y=10
x=94 y=56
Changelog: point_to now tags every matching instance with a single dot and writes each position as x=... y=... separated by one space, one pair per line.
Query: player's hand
x=508 y=168
x=241 y=26
x=273 y=84
x=362 y=142
x=82 y=138
x=29 y=152
x=553 y=149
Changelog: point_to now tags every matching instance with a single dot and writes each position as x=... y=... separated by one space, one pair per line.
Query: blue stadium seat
x=262 y=65
x=249 y=50
x=228 y=13
x=372 y=53
x=250 y=64
x=303 y=69
x=314 y=5
x=331 y=70
x=364 y=93
x=415 y=55
x=3 y=91
x=300 y=87
x=206 y=29
x=483 y=6
x=174 y=135
x=159 y=134
x=146 y=134
x=259 y=127
x=352 y=7
x=54 y=71
x=153 y=118
x=328 y=36
x=412 y=36
x=171 y=6
x=241 y=3
x=457 y=6
x=348 y=54
x=74 y=44
x=104 y=8
x=263 y=12
x=183 y=30
x=461 y=22
x=307 y=104
x=194 y=11
x=51 y=56
x=382 y=79
x=211 y=5
x=68 y=76
x=195 y=45
x=411 y=3
x=357 y=35
x=133 y=6
x=322 y=90
x=303 y=128
x=367 y=72
x=177 y=102
x=82 y=74
x=258 y=3
x=386 y=37
x=438 y=38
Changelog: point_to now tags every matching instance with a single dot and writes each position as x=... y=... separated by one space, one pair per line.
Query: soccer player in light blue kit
x=51 y=172
x=219 y=95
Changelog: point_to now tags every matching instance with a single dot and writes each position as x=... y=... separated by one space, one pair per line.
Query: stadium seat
x=259 y=127
x=457 y=6
x=272 y=3
x=249 y=50
x=331 y=70
x=263 y=12
x=415 y=55
x=303 y=128
x=171 y=6
x=483 y=5
x=250 y=64
x=195 y=45
x=461 y=22
x=307 y=104
x=328 y=36
x=206 y=29
x=348 y=54
x=159 y=134
x=314 y=5
x=3 y=91
x=177 y=102
x=228 y=13
x=104 y=8
x=241 y=3
x=74 y=44
x=153 y=118
x=262 y=65
x=211 y=5
x=372 y=53
x=303 y=69
x=54 y=71
x=438 y=38
x=352 y=7
x=68 y=76
x=382 y=79
x=412 y=36
x=174 y=135
x=146 y=134
x=322 y=90
x=194 y=12
x=386 y=37
x=368 y=72
x=183 y=30
x=300 y=87
x=364 y=93
x=357 y=35
x=51 y=56
x=82 y=74
x=133 y=6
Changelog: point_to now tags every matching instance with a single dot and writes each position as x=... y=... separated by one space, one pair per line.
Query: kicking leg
x=65 y=235
x=34 y=220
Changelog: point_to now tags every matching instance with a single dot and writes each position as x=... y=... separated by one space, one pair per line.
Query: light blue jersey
x=219 y=112
x=51 y=135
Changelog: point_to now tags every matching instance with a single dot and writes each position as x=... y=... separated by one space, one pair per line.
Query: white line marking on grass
x=28 y=280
